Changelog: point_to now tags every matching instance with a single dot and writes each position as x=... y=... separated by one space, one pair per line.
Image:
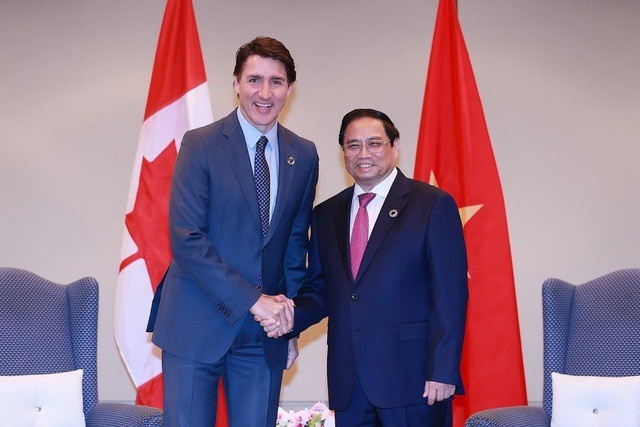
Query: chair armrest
x=514 y=416
x=122 y=414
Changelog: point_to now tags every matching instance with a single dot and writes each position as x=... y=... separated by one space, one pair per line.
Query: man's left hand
x=435 y=392
x=292 y=353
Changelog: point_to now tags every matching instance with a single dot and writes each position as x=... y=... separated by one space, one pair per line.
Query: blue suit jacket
x=401 y=321
x=217 y=245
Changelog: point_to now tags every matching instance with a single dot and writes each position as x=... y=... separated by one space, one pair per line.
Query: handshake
x=275 y=314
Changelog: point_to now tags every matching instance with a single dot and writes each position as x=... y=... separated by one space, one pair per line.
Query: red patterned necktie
x=360 y=233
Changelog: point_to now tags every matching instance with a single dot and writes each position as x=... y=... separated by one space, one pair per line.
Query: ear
x=236 y=85
x=289 y=89
x=396 y=144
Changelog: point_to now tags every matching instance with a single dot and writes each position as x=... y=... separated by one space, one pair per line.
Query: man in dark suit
x=241 y=200
x=387 y=264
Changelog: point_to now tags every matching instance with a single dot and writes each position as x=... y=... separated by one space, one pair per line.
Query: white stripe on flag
x=140 y=355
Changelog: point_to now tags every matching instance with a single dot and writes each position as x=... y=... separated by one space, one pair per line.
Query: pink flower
x=318 y=416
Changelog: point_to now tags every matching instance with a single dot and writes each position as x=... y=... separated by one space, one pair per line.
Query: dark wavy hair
x=266 y=47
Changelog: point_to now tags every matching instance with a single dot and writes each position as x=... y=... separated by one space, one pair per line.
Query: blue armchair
x=48 y=328
x=589 y=329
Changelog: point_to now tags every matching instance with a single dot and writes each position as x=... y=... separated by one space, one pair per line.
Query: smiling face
x=368 y=169
x=262 y=89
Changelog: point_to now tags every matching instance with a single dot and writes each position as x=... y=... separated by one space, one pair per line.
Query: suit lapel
x=343 y=215
x=287 y=157
x=235 y=148
x=390 y=212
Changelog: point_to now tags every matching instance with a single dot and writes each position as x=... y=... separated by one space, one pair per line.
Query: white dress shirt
x=373 y=208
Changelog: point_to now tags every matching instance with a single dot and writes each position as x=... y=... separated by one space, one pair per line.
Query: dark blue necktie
x=263 y=189
x=263 y=184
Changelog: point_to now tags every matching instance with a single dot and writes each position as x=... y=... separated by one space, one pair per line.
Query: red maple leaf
x=148 y=222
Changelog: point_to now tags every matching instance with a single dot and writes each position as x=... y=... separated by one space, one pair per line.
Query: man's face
x=262 y=89
x=366 y=168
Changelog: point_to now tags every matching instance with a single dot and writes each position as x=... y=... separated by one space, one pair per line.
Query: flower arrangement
x=318 y=416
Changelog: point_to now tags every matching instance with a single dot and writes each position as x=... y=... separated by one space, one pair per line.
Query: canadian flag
x=454 y=153
x=178 y=101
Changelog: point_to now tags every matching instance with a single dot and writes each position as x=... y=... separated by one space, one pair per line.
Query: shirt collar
x=251 y=134
x=382 y=189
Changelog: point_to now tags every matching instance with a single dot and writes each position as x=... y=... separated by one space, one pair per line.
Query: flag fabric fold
x=454 y=153
x=178 y=101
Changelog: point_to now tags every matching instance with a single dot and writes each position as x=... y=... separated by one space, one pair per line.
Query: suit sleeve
x=447 y=261
x=311 y=302
x=295 y=257
x=189 y=229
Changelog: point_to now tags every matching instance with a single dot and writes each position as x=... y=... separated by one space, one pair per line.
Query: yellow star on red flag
x=466 y=212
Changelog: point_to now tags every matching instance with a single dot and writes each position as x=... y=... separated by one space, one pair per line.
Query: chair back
x=592 y=328
x=47 y=328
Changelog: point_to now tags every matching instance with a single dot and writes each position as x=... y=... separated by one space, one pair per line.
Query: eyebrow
x=370 y=139
x=260 y=76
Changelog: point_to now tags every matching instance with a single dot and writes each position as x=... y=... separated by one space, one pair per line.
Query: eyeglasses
x=374 y=146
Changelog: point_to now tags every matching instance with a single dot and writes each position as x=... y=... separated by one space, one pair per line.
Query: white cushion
x=595 y=401
x=53 y=400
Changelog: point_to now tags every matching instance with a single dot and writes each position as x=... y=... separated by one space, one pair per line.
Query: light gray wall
x=559 y=81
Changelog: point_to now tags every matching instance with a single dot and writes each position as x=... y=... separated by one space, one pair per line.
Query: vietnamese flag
x=178 y=101
x=454 y=153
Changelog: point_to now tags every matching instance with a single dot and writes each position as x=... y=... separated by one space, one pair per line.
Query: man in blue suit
x=388 y=266
x=241 y=200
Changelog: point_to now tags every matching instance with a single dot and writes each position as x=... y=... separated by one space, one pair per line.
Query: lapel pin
x=291 y=160
x=393 y=213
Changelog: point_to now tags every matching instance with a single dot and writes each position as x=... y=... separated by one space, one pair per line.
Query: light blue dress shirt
x=251 y=136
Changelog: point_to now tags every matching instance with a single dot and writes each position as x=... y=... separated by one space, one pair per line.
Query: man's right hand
x=274 y=313
x=276 y=326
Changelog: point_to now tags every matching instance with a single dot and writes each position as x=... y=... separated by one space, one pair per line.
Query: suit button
x=354 y=297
